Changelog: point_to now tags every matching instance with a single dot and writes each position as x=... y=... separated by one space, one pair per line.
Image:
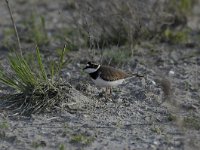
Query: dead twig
x=14 y=26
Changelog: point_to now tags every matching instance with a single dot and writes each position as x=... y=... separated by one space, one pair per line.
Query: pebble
x=156 y=142
x=171 y=72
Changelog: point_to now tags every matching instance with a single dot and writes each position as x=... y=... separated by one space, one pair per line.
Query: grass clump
x=82 y=139
x=175 y=37
x=35 y=92
x=37 y=144
x=61 y=147
x=4 y=125
x=172 y=117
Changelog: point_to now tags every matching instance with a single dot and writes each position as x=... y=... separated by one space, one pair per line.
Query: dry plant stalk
x=14 y=26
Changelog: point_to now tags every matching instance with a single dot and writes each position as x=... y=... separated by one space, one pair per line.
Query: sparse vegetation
x=191 y=122
x=35 y=92
x=35 y=28
x=66 y=130
x=4 y=125
x=172 y=117
x=157 y=129
x=73 y=36
x=175 y=37
x=61 y=147
x=157 y=38
x=116 y=56
x=181 y=6
x=82 y=139
x=8 y=41
x=38 y=144
x=116 y=24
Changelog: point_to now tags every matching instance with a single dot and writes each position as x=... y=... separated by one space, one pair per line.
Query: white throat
x=91 y=70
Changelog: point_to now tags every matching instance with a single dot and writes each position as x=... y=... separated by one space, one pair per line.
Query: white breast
x=103 y=83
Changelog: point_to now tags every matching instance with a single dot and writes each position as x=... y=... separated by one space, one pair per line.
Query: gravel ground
x=160 y=111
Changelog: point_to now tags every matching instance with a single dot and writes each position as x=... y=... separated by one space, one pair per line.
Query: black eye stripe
x=91 y=65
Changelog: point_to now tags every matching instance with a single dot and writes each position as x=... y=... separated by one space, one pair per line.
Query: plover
x=107 y=76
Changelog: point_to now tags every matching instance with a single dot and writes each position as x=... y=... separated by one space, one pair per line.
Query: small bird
x=107 y=76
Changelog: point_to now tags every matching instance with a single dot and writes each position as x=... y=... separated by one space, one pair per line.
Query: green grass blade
x=41 y=66
x=60 y=65
x=9 y=81
x=22 y=70
x=52 y=70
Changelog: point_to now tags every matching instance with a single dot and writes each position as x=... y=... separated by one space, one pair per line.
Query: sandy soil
x=142 y=114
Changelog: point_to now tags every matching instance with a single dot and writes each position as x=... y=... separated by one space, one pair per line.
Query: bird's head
x=91 y=67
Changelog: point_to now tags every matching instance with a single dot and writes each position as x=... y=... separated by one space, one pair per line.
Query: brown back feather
x=111 y=74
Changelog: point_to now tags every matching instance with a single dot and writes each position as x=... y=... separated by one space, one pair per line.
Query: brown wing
x=111 y=74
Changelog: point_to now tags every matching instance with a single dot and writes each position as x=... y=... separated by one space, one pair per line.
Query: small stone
x=152 y=81
x=78 y=64
x=68 y=74
x=171 y=72
x=156 y=143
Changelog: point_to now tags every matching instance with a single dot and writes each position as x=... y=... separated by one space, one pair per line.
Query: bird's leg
x=107 y=89
x=110 y=90
x=107 y=93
